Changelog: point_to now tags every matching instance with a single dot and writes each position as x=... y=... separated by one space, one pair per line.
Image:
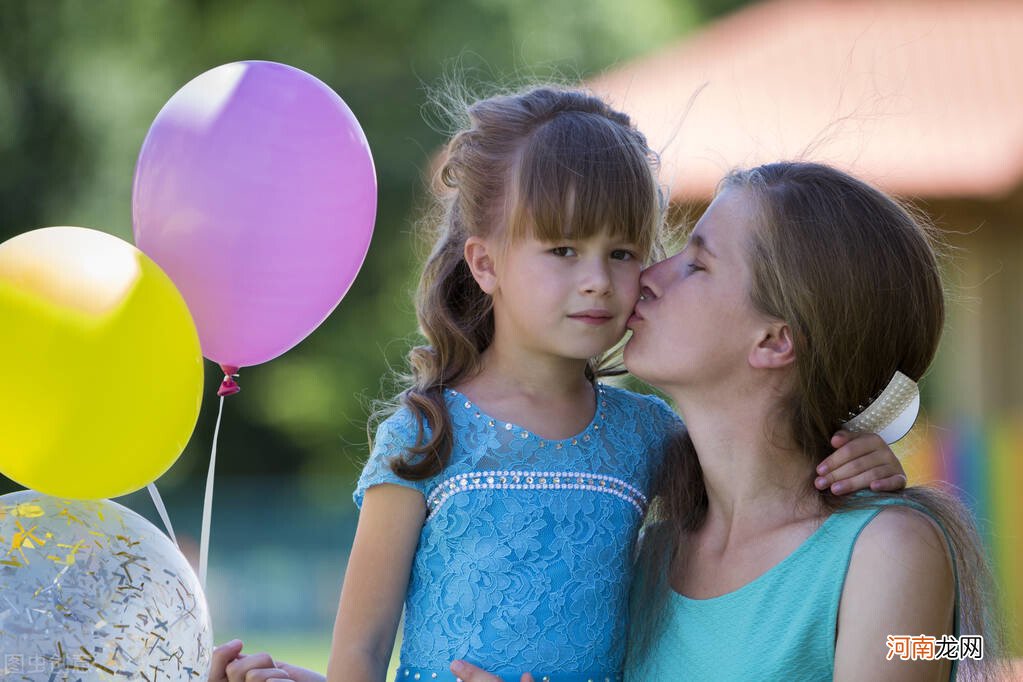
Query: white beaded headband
x=891 y=415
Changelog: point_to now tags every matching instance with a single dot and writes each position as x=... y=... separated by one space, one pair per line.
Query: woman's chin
x=634 y=360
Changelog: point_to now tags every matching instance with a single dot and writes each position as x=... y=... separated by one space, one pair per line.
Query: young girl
x=501 y=503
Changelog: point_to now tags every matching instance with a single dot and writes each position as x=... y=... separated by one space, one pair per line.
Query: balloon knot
x=229 y=386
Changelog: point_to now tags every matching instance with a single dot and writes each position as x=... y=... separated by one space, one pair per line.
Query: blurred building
x=925 y=100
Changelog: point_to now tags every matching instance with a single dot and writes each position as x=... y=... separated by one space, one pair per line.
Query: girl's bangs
x=578 y=177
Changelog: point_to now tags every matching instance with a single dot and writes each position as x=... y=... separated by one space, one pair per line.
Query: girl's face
x=570 y=298
x=695 y=324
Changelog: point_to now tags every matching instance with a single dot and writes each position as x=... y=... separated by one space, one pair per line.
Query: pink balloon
x=255 y=191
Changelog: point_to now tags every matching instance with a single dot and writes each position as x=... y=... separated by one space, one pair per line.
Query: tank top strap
x=879 y=503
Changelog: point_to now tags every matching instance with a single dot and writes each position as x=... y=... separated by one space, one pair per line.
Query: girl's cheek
x=634 y=281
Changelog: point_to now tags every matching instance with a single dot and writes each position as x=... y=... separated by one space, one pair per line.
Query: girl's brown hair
x=550 y=162
x=856 y=276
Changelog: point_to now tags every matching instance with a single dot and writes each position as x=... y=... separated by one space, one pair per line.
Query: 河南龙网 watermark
x=928 y=648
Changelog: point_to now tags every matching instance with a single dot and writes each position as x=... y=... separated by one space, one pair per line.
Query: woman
x=802 y=291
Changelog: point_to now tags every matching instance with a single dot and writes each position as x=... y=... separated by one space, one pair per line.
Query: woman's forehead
x=725 y=224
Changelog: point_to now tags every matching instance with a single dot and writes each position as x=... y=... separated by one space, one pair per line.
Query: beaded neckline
x=525 y=434
x=534 y=480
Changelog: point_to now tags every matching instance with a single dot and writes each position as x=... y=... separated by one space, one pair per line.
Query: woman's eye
x=563 y=251
x=623 y=254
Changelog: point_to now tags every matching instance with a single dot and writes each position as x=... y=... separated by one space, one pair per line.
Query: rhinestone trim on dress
x=534 y=480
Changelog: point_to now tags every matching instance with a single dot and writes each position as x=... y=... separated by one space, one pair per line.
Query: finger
x=222 y=655
x=890 y=484
x=266 y=674
x=857 y=446
x=841 y=437
x=527 y=677
x=862 y=481
x=467 y=672
x=300 y=674
x=862 y=464
x=239 y=668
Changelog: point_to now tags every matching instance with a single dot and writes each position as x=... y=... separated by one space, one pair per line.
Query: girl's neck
x=513 y=369
x=551 y=398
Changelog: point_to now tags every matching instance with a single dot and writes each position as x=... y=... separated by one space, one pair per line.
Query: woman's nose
x=650 y=281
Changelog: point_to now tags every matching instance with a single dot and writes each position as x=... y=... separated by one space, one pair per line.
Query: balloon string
x=158 y=501
x=207 y=506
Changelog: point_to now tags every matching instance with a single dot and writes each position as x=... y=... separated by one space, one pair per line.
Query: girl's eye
x=694 y=266
x=623 y=254
x=563 y=251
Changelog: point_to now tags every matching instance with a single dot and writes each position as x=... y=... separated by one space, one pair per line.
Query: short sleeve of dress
x=664 y=422
x=664 y=426
x=393 y=436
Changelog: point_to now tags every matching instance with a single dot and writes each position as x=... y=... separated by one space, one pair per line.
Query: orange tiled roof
x=925 y=98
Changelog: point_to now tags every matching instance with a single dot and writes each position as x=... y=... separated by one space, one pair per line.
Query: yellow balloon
x=100 y=366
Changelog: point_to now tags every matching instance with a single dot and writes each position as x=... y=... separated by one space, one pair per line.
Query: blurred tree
x=81 y=81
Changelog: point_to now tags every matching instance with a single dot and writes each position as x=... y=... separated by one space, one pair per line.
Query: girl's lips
x=594 y=318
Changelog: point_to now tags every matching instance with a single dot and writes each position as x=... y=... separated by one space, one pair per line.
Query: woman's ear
x=775 y=348
x=479 y=257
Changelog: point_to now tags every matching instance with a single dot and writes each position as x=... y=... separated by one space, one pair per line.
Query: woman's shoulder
x=902 y=530
x=900 y=581
x=901 y=549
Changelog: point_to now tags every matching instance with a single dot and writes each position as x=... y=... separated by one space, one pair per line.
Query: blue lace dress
x=525 y=558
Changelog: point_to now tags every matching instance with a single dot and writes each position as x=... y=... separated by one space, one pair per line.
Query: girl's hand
x=222 y=655
x=300 y=674
x=861 y=461
x=228 y=664
x=467 y=672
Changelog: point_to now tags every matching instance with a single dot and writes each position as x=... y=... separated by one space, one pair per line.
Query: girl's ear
x=775 y=347
x=479 y=256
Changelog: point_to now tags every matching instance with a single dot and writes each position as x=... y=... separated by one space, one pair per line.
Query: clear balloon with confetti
x=90 y=590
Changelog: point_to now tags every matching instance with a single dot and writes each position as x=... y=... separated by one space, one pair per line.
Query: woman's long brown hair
x=856 y=276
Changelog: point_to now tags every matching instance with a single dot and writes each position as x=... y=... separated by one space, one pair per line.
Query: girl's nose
x=597 y=280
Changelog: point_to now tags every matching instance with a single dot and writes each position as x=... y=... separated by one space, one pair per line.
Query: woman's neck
x=754 y=483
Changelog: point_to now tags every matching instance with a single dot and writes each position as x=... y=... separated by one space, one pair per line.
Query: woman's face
x=694 y=324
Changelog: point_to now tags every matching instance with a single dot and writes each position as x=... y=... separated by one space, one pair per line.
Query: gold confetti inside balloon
x=90 y=590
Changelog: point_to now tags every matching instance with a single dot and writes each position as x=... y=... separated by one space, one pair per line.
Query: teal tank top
x=780 y=626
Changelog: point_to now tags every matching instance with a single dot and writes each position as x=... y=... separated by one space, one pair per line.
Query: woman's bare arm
x=900 y=582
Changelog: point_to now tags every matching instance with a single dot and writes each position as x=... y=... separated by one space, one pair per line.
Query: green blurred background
x=80 y=83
